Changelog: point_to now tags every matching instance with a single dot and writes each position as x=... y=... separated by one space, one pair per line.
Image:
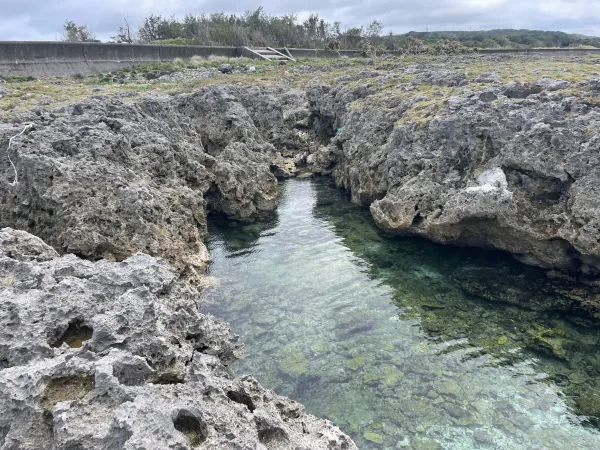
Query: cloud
x=43 y=19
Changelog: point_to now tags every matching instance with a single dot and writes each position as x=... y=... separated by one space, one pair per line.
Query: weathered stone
x=432 y=178
x=487 y=78
x=107 y=179
x=101 y=355
x=442 y=78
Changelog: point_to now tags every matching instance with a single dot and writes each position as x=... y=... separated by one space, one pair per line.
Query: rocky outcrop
x=107 y=178
x=115 y=355
x=514 y=167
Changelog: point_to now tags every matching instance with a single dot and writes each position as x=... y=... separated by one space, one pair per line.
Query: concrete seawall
x=48 y=59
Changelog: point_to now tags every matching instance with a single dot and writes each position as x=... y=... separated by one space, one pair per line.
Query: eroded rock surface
x=514 y=167
x=115 y=355
x=107 y=178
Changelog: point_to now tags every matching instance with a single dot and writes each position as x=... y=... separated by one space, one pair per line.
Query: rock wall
x=115 y=355
x=510 y=166
x=107 y=178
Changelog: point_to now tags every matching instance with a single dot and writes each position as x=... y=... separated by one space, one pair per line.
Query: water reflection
x=391 y=339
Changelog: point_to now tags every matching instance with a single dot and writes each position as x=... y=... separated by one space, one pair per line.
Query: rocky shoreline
x=103 y=345
x=481 y=164
x=106 y=179
x=115 y=355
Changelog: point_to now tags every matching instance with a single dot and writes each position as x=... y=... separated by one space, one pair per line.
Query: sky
x=43 y=19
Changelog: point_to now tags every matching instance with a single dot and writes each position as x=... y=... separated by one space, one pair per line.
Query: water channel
x=400 y=342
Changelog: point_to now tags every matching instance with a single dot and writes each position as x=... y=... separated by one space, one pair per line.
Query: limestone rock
x=520 y=174
x=116 y=355
x=491 y=77
x=106 y=178
x=22 y=246
x=442 y=78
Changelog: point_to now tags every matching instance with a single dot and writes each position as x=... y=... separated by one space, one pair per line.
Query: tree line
x=258 y=29
x=509 y=38
x=253 y=28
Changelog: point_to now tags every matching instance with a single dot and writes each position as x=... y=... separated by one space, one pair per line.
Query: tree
x=150 y=30
x=253 y=28
x=77 y=33
x=124 y=35
x=374 y=29
x=353 y=36
x=334 y=46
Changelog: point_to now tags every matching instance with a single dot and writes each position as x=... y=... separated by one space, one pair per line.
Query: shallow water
x=391 y=339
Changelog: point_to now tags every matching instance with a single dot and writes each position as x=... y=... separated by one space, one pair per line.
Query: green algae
x=391 y=374
x=356 y=363
x=293 y=363
x=320 y=347
x=373 y=437
x=426 y=444
x=549 y=340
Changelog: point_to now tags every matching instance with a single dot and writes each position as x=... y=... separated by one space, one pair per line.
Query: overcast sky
x=43 y=19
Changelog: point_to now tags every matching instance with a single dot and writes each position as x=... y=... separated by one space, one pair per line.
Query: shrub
x=18 y=79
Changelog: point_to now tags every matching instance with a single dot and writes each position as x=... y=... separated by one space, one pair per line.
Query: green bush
x=18 y=79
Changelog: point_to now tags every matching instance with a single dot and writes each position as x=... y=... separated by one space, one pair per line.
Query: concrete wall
x=46 y=59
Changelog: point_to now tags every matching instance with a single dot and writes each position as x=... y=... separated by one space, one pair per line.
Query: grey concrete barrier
x=46 y=59
x=107 y=57
x=41 y=59
x=307 y=53
x=7 y=52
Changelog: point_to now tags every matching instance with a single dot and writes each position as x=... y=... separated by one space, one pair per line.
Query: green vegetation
x=256 y=28
x=259 y=29
x=77 y=33
x=17 y=79
x=507 y=38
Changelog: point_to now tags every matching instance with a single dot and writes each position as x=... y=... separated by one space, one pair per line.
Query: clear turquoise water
x=391 y=339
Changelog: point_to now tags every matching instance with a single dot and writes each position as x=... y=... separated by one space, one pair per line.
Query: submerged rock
x=101 y=355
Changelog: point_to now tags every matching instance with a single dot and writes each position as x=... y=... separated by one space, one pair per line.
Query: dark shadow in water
x=242 y=237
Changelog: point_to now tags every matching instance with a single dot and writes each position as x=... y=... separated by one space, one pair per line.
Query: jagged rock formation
x=510 y=166
x=110 y=354
x=107 y=178
x=115 y=355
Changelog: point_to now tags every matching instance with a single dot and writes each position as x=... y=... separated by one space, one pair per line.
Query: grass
x=17 y=79
x=28 y=93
